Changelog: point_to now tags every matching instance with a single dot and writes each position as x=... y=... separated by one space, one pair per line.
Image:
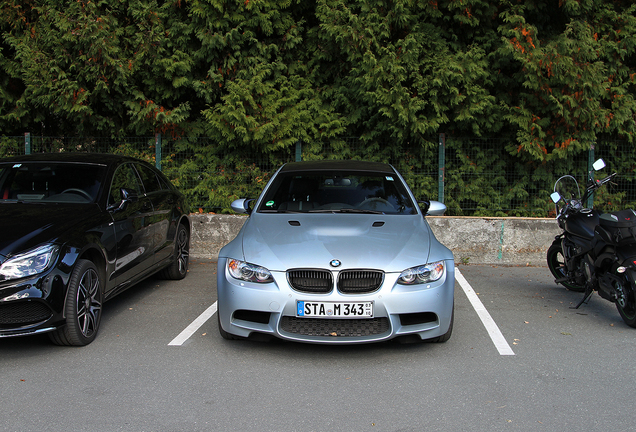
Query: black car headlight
x=29 y=263
x=248 y=272
x=422 y=274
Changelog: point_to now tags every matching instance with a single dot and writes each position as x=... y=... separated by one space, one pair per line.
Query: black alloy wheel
x=83 y=307
x=179 y=267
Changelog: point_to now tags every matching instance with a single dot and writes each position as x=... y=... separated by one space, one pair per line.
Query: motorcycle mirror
x=555 y=196
x=598 y=165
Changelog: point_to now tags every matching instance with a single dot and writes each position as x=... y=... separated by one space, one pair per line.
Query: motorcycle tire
x=627 y=304
x=556 y=264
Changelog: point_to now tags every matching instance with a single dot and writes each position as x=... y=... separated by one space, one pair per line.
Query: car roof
x=75 y=157
x=337 y=165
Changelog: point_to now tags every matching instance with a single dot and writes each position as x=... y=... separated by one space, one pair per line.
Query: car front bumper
x=246 y=309
x=32 y=305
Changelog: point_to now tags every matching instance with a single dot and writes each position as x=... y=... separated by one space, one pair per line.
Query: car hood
x=27 y=225
x=388 y=242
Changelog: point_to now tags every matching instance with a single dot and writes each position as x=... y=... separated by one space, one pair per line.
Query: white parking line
x=493 y=331
x=194 y=326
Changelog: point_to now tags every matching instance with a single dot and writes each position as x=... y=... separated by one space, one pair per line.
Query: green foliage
x=572 y=78
x=269 y=97
x=10 y=146
x=262 y=74
x=213 y=185
x=93 y=68
x=396 y=75
x=547 y=78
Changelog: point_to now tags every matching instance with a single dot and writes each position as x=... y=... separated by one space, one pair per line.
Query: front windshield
x=50 y=182
x=568 y=188
x=343 y=192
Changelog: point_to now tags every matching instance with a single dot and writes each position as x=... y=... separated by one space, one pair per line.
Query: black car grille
x=23 y=313
x=311 y=281
x=359 y=281
x=349 y=281
x=335 y=327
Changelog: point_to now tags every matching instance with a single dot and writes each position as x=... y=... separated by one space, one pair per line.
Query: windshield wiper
x=347 y=210
x=363 y=211
x=280 y=211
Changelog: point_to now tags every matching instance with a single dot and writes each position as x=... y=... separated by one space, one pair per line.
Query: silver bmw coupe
x=336 y=252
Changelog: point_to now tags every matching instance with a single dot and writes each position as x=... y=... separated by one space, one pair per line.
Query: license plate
x=312 y=309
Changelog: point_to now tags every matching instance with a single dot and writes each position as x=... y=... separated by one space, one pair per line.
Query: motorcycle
x=596 y=251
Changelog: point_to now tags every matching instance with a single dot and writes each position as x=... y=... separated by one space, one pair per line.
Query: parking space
x=144 y=373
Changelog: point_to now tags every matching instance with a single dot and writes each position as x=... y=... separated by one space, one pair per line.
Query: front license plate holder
x=322 y=309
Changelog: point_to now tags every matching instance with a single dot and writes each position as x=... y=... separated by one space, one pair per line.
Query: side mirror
x=555 y=197
x=127 y=196
x=598 y=165
x=432 y=208
x=242 y=205
x=436 y=209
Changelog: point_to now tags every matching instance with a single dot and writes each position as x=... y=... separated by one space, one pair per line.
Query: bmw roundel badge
x=335 y=263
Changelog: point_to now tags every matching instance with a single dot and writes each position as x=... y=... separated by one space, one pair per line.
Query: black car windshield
x=50 y=182
x=338 y=192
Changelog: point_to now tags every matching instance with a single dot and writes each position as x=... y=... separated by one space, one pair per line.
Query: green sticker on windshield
x=269 y=203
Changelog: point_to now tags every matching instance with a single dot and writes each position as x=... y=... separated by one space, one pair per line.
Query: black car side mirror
x=128 y=196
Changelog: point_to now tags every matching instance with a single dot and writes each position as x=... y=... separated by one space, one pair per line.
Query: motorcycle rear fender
x=620 y=256
x=629 y=262
x=626 y=255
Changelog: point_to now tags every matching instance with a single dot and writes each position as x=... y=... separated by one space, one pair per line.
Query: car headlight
x=422 y=274
x=248 y=272
x=29 y=263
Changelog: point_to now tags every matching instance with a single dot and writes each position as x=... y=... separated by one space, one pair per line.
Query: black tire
x=626 y=304
x=556 y=264
x=446 y=336
x=83 y=309
x=178 y=269
x=225 y=335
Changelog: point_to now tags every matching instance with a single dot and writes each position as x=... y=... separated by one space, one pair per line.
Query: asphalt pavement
x=520 y=359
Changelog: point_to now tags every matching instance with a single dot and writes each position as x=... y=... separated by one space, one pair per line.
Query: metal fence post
x=299 y=151
x=442 y=167
x=590 y=169
x=27 y=143
x=158 y=151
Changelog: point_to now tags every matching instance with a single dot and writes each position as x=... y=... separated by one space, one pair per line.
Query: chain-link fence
x=473 y=177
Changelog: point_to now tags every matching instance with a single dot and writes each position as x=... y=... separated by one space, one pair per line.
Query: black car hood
x=27 y=225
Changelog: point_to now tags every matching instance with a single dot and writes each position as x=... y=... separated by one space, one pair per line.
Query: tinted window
x=124 y=177
x=149 y=178
x=337 y=191
x=50 y=181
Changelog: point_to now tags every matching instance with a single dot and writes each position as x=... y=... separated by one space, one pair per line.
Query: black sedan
x=78 y=229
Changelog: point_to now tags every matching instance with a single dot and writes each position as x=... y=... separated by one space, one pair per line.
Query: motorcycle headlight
x=422 y=274
x=248 y=272
x=29 y=263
